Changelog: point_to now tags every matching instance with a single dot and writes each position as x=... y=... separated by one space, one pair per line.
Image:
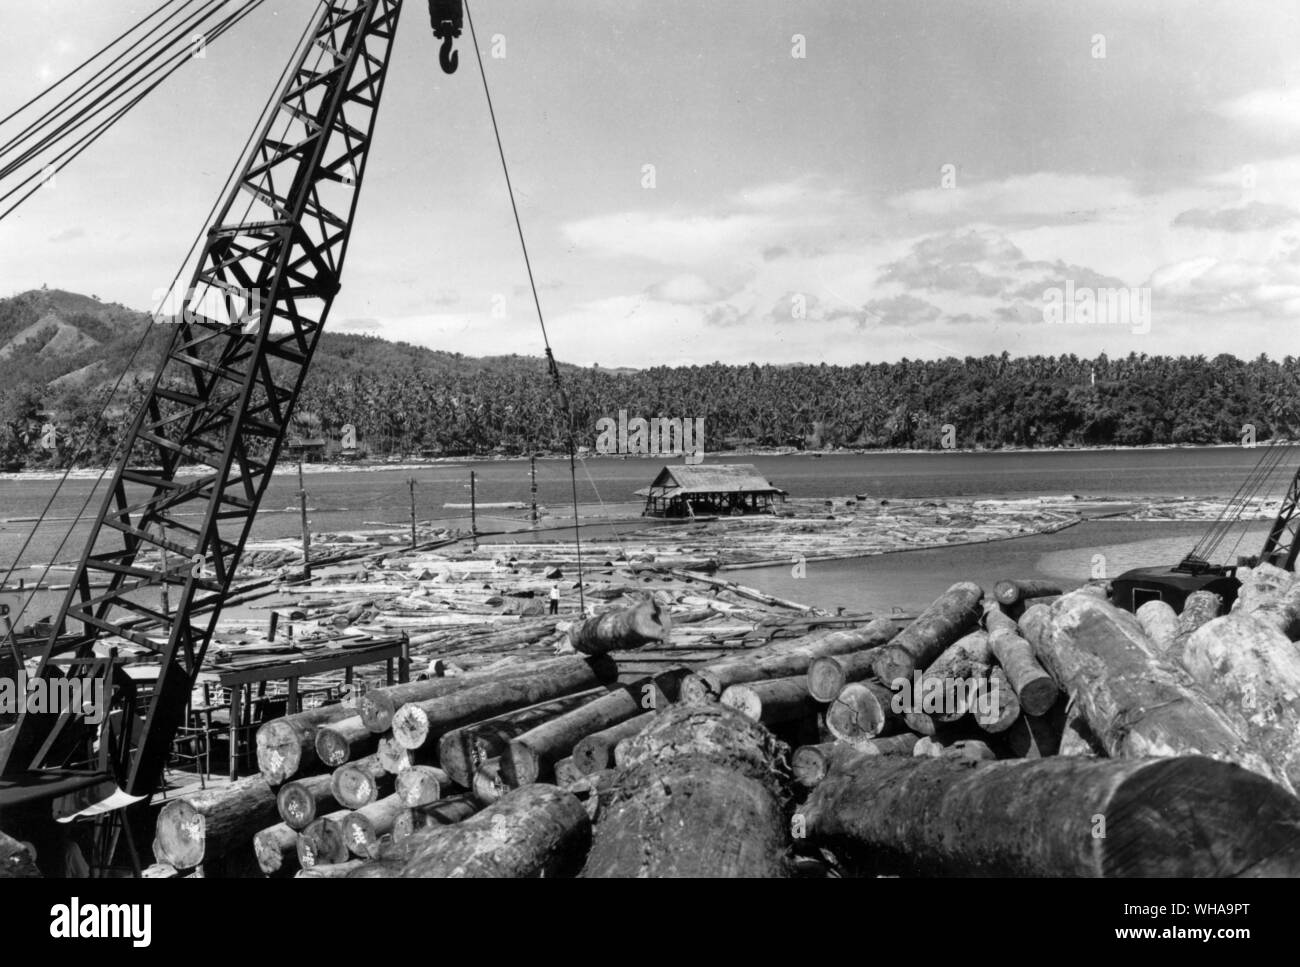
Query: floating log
x=621 y=629
x=773 y=701
x=698 y=795
x=532 y=755
x=343 y=741
x=537 y=830
x=357 y=784
x=378 y=706
x=287 y=745
x=1135 y=704
x=595 y=752
x=418 y=722
x=1012 y=592
x=276 y=848
x=321 y=843
x=362 y=828
x=791 y=658
x=1055 y=817
x=947 y=618
x=463 y=750
x=1033 y=686
x=421 y=785
x=1251 y=669
x=301 y=800
x=213 y=823
x=863 y=710
x=1160 y=622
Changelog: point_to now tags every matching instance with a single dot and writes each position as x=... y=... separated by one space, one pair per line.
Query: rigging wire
x=240 y=163
x=72 y=153
x=550 y=356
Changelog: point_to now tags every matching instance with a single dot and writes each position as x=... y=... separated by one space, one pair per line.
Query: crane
x=221 y=399
x=1194 y=572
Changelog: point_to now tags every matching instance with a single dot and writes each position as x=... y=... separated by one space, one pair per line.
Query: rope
x=550 y=356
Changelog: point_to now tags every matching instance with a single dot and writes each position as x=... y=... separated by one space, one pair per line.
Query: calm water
x=346 y=501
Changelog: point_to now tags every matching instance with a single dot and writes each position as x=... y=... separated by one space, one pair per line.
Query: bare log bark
x=362 y=828
x=343 y=741
x=421 y=785
x=774 y=701
x=301 y=800
x=213 y=823
x=1135 y=704
x=863 y=710
x=461 y=751
x=532 y=755
x=595 y=752
x=1160 y=622
x=444 y=812
x=950 y=616
x=1012 y=592
x=533 y=831
x=1033 y=686
x=276 y=849
x=357 y=784
x=1002 y=706
x=419 y=722
x=287 y=746
x=622 y=629
x=700 y=795
x=1041 y=817
x=321 y=843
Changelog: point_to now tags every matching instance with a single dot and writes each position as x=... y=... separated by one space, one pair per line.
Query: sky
x=770 y=181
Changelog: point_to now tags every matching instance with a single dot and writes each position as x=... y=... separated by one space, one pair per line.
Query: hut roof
x=716 y=478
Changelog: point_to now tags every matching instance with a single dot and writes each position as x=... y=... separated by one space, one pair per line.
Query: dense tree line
x=409 y=401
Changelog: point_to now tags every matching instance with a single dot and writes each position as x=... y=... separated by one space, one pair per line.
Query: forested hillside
x=60 y=352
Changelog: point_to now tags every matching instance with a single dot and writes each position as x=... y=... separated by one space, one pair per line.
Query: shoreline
x=370 y=466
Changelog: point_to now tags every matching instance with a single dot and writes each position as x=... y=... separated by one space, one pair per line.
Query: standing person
x=555 y=599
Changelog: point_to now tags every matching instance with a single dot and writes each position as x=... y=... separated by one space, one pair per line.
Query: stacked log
x=622 y=628
x=1054 y=817
x=214 y=823
x=699 y=794
x=532 y=755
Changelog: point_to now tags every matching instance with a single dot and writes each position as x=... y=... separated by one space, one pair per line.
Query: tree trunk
x=331 y=871
x=810 y=763
x=421 y=785
x=773 y=701
x=302 y=800
x=794 y=657
x=461 y=751
x=1013 y=592
x=1000 y=707
x=276 y=848
x=967 y=657
x=622 y=629
x=287 y=746
x=863 y=710
x=1055 y=817
x=698 y=796
x=537 y=830
x=1033 y=686
x=1135 y=704
x=419 y=722
x=321 y=843
x=444 y=812
x=363 y=827
x=357 y=784
x=595 y=752
x=378 y=706
x=1251 y=669
x=344 y=741
x=1200 y=608
x=533 y=754
x=488 y=785
x=827 y=676
x=1160 y=622
x=566 y=773
x=214 y=823
x=949 y=617
x=1279 y=608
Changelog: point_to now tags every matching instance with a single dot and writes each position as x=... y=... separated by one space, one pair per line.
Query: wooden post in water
x=473 y=510
x=411 y=484
x=532 y=473
x=306 y=531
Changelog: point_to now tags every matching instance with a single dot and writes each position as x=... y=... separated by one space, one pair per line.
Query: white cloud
x=1042 y=195
x=1272 y=111
x=688 y=288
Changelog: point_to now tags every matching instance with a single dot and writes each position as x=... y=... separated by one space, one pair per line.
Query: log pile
x=1029 y=731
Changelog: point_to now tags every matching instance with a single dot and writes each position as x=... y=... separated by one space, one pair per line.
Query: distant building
x=720 y=488
x=306 y=449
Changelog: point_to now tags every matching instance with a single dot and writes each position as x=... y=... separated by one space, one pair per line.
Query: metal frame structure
x=1283 y=541
x=225 y=391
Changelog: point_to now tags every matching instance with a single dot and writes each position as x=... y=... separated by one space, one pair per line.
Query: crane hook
x=448 y=58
